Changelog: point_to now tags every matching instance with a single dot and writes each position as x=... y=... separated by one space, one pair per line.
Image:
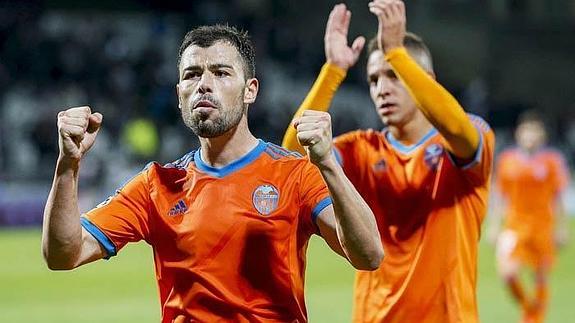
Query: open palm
x=337 y=51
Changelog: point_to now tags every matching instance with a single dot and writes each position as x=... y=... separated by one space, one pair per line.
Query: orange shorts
x=535 y=250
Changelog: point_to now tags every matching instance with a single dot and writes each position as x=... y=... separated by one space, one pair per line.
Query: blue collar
x=408 y=149
x=231 y=167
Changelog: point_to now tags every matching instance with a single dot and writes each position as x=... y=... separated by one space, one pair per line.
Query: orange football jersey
x=429 y=210
x=530 y=184
x=229 y=243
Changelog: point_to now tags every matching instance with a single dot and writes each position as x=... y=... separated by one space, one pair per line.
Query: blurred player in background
x=230 y=222
x=425 y=175
x=530 y=179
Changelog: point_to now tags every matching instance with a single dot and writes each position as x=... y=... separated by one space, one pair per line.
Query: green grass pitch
x=123 y=289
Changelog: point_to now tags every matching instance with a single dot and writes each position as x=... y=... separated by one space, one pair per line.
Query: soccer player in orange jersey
x=530 y=179
x=425 y=175
x=230 y=222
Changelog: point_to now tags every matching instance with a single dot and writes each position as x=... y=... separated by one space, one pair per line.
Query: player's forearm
x=355 y=223
x=319 y=98
x=437 y=104
x=62 y=232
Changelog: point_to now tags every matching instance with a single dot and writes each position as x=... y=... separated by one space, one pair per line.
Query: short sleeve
x=314 y=195
x=123 y=217
x=479 y=168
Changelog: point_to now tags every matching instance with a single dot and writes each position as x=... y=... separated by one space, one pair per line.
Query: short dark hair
x=414 y=45
x=530 y=115
x=206 y=36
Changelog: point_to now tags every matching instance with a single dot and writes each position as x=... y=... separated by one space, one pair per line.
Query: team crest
x=379 y=166
x=265 y=199
x=432 y=155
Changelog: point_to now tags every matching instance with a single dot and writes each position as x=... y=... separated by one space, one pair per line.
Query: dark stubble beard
x=209 y=126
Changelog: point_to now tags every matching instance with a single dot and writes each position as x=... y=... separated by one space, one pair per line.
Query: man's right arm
x=65 y=244
x=340 y=57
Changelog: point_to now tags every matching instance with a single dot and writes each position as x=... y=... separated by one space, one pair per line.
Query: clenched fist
x=314 y=134
x=77 y=129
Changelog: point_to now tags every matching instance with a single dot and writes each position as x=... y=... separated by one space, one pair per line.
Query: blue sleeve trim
x=338 y=157
x=476 y=159
x=100 y=236
x=319 y=207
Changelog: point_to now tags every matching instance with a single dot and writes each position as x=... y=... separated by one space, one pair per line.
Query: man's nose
x=206 y=83
x=383 y=86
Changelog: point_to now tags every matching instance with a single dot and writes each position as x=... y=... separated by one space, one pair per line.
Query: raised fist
x=314 y=134
x=77 y=129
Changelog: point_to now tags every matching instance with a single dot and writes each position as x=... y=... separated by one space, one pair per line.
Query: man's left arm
x=349 y=227
x=438 y=106
x=434 y=101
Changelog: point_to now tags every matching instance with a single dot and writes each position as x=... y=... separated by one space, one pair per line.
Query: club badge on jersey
x=265 y=199
x=432 y=155
x=379 y=166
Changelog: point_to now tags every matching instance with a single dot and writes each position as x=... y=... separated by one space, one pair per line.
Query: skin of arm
x=65 y=244
x=349 y=227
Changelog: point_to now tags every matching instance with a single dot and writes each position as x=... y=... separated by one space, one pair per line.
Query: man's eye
x=191 y=75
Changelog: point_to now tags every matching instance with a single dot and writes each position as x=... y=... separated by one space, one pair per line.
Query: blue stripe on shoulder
x=319 y=207
x=183 y=162
x=273 y=149
x=272 y=153
x=100 y=236
x=338 y=156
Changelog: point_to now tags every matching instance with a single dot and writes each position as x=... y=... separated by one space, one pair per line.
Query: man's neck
x=234 y=144
x=411 y=132
x=530 y=151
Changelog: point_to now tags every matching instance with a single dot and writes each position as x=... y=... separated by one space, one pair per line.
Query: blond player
x=425 y=175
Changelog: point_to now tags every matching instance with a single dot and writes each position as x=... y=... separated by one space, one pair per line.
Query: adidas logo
x=179 y=208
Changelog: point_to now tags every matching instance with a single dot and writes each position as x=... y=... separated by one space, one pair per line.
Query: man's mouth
x=205 y=104
x=386 y=108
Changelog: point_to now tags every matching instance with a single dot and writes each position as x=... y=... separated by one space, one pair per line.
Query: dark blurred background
x=498 y=57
